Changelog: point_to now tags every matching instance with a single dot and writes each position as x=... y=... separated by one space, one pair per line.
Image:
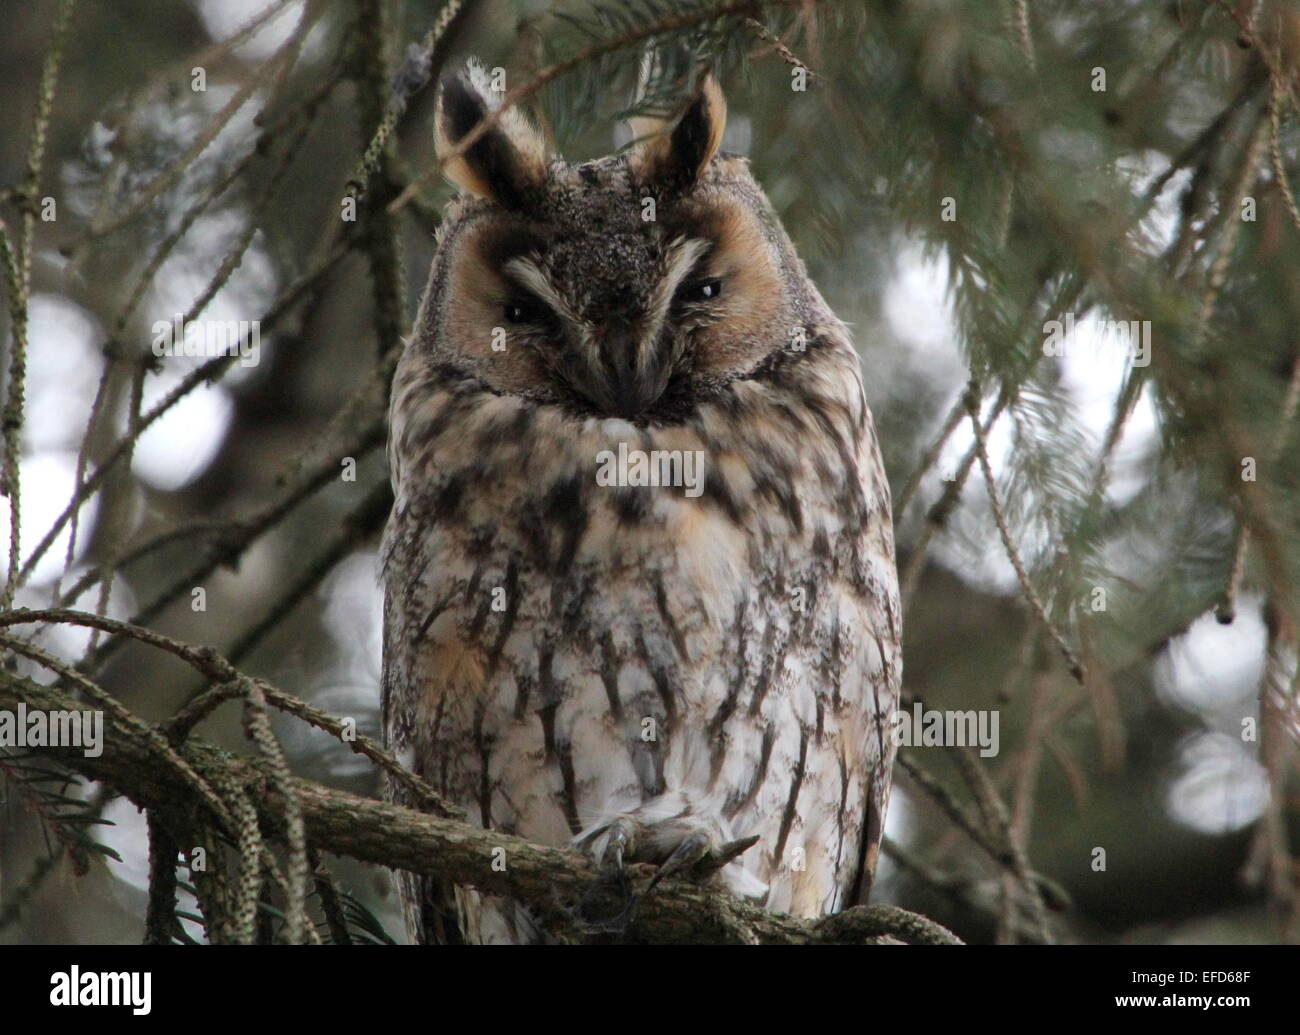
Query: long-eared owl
x=639 y=573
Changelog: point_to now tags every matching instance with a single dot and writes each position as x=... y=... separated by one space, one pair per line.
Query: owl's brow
x=683 y=255
x=531 y=276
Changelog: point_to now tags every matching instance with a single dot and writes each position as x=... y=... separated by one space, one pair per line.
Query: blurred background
x=955 y=175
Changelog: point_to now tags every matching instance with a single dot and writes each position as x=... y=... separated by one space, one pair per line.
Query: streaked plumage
x=559 y=652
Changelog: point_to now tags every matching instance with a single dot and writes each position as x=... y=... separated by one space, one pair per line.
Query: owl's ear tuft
x=508 y=162
x=676 y=157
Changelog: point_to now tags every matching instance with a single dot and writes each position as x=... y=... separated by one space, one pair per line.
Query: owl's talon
x=731 y=850
x=698 y=855
x=685 y=856
x=676 y=835
x=621 y=840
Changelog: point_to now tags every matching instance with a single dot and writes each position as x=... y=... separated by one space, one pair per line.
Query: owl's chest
x=569 y=568
x=608 y=608
x=587 y=660
x=599 y=575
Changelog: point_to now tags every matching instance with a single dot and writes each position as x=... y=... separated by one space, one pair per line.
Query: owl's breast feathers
x=558 y=647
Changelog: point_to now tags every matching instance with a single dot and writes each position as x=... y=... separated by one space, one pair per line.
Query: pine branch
x=545 y=878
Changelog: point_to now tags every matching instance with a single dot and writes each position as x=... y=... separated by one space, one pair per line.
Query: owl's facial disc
x=634 y=286
x=620 y=346
x=607 y=315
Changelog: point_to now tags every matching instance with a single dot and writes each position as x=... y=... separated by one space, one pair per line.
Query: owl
x=640 y=592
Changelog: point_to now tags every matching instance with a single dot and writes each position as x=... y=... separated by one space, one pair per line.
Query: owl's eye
x=524 y=310
x=700 y=290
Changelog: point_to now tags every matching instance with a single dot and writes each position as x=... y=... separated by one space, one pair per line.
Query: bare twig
x=1013 y=555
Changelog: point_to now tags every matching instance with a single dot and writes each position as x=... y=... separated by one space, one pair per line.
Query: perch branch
x=679 y=911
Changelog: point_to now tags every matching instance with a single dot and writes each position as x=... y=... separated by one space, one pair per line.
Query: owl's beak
x=634 y=385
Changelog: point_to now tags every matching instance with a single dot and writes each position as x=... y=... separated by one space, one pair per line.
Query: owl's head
x=634 y=286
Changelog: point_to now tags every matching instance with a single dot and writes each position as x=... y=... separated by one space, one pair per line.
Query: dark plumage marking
x=775 y=369
x=475 y=628
x=829 y=476
x=700 y=429
x=523 y=691
x=564 y=507
x=444 y=765
x=661 y=602
x=551 y=692
x=792 y=416
x=507 y=617
x=523 y=421
x=429 y=619
x=779 y=486
x=890 y=618
x=771 y=661
x=740 y=801
x=462 y=399
x=446 y=503
x=562 y=755
x=483 y=748
x=481 y=543
x=569 y=596
x=836 y=664
x=841 y=814
x=732 y=405
x=852 y=505
x=471 y=587
x=814 y=587
x=663 y=685
x=436 y=725
x=792 y=799
x=535 y=534
x=876 y=680
x=631 y=504
x=445 y=376
x=874 y=793
x=717 y=490
x=609 y=674
x=868 y=845
x=505 y=430
x=658 y=785
x=728 y=705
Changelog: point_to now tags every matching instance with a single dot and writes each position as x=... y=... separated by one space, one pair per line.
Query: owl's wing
x=879 y=665
x=878 y=672
x=411 y=676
